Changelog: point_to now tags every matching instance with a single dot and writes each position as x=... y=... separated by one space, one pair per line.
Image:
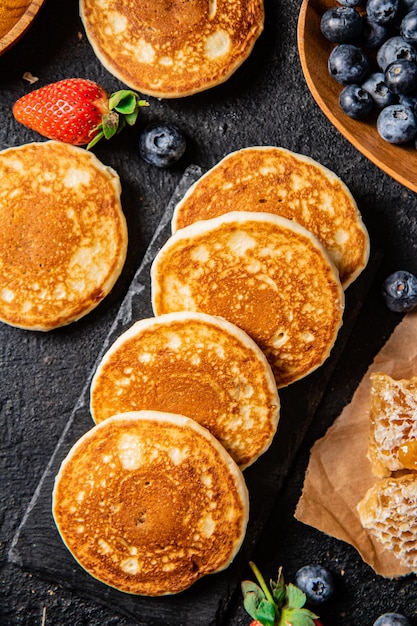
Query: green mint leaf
x=295 y=597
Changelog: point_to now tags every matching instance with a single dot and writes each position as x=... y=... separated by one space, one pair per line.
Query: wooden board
x=37 y=546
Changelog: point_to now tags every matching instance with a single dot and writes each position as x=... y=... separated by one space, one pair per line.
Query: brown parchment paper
x=339 y=472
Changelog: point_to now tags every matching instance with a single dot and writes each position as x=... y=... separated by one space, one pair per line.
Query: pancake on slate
x=389 y=512
x=172 y=49
x=266 y=274
x=63 y=235
x=393 y=428
x=275 y=180
x=196 y=365
x=149 y=502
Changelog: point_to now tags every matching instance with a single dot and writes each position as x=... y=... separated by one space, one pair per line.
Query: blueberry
x=396 y=124
x=316 y=581
x=352 y=3
x=373 y=35
x=341 y=24
x=161 y=144
x=356 y=102
x=399 y=291
x=393 y=49
x=408 y=27
x=392 y=619
x=401 y=76
x=376 y=87
x=382 y=11
x=348 y=64
x=409 y=100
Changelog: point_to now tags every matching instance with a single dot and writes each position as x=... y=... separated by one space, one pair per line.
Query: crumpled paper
x=339 y=472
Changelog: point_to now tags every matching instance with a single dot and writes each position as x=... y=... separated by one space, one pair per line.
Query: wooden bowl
x=15 y=18
x=398 y=161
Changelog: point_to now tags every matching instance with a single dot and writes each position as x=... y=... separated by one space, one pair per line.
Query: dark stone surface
x=43 y=375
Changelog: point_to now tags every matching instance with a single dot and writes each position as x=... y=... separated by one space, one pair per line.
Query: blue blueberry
x=356 y=102
x=397 y=124
x=348 y=64
x=382 y=11
x=162 y=144
x=352 y=3
x=392 y=619
x=401 y=76
x=399 y=291
x=316 y=582
x=408 y=100
x=373 y=35
x=408 y=5
x=408 y=27
x=341 y=24
x=393 y=49
x=376 y=86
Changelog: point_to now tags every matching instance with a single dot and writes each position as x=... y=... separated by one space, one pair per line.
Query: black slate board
x=37 y=546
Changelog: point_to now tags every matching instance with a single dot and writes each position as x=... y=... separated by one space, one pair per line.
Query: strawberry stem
x=123 y=109
x=262 y=583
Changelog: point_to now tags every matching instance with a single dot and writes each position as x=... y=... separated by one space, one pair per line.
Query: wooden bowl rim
x=18 y=29
x=400 y=158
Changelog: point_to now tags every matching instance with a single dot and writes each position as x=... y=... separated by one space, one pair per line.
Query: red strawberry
x=77 y=111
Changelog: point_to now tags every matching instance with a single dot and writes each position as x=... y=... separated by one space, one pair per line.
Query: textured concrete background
x=266 y=102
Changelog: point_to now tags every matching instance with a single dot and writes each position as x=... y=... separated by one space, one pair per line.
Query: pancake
x=195 y=365
x=275 y=180
x=264 y=273
x=63 y=235
x=149 y=502
x=393 y=426
x=172 y=49
x=389 y=511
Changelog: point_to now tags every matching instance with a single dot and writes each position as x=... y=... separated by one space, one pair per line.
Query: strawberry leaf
x=278 y=589
x=297 y=617
x=265 y=613
x=96 y=138
x=123 y=101
x=131 y=117
x=257 y=604
x=295 y=597
x=252 y=597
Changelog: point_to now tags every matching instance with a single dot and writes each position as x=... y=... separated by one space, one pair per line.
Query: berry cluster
x=279 y=604
x=375 y=59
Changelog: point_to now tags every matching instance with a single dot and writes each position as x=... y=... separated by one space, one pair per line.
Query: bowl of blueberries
x=359 y=59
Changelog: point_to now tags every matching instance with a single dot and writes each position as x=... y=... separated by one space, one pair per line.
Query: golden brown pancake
x=264 y=273
x=172 y=48
x=149 y=502
x=393 y=431
x=63 y=235
x=389 y=512
x=196 y=365
x=275 y=180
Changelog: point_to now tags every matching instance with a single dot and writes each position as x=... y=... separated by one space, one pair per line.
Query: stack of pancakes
x=269 y=240
x=248 y=297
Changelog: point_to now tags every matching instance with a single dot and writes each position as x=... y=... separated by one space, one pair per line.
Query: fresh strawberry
x=77 y=111
x=276 y=605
